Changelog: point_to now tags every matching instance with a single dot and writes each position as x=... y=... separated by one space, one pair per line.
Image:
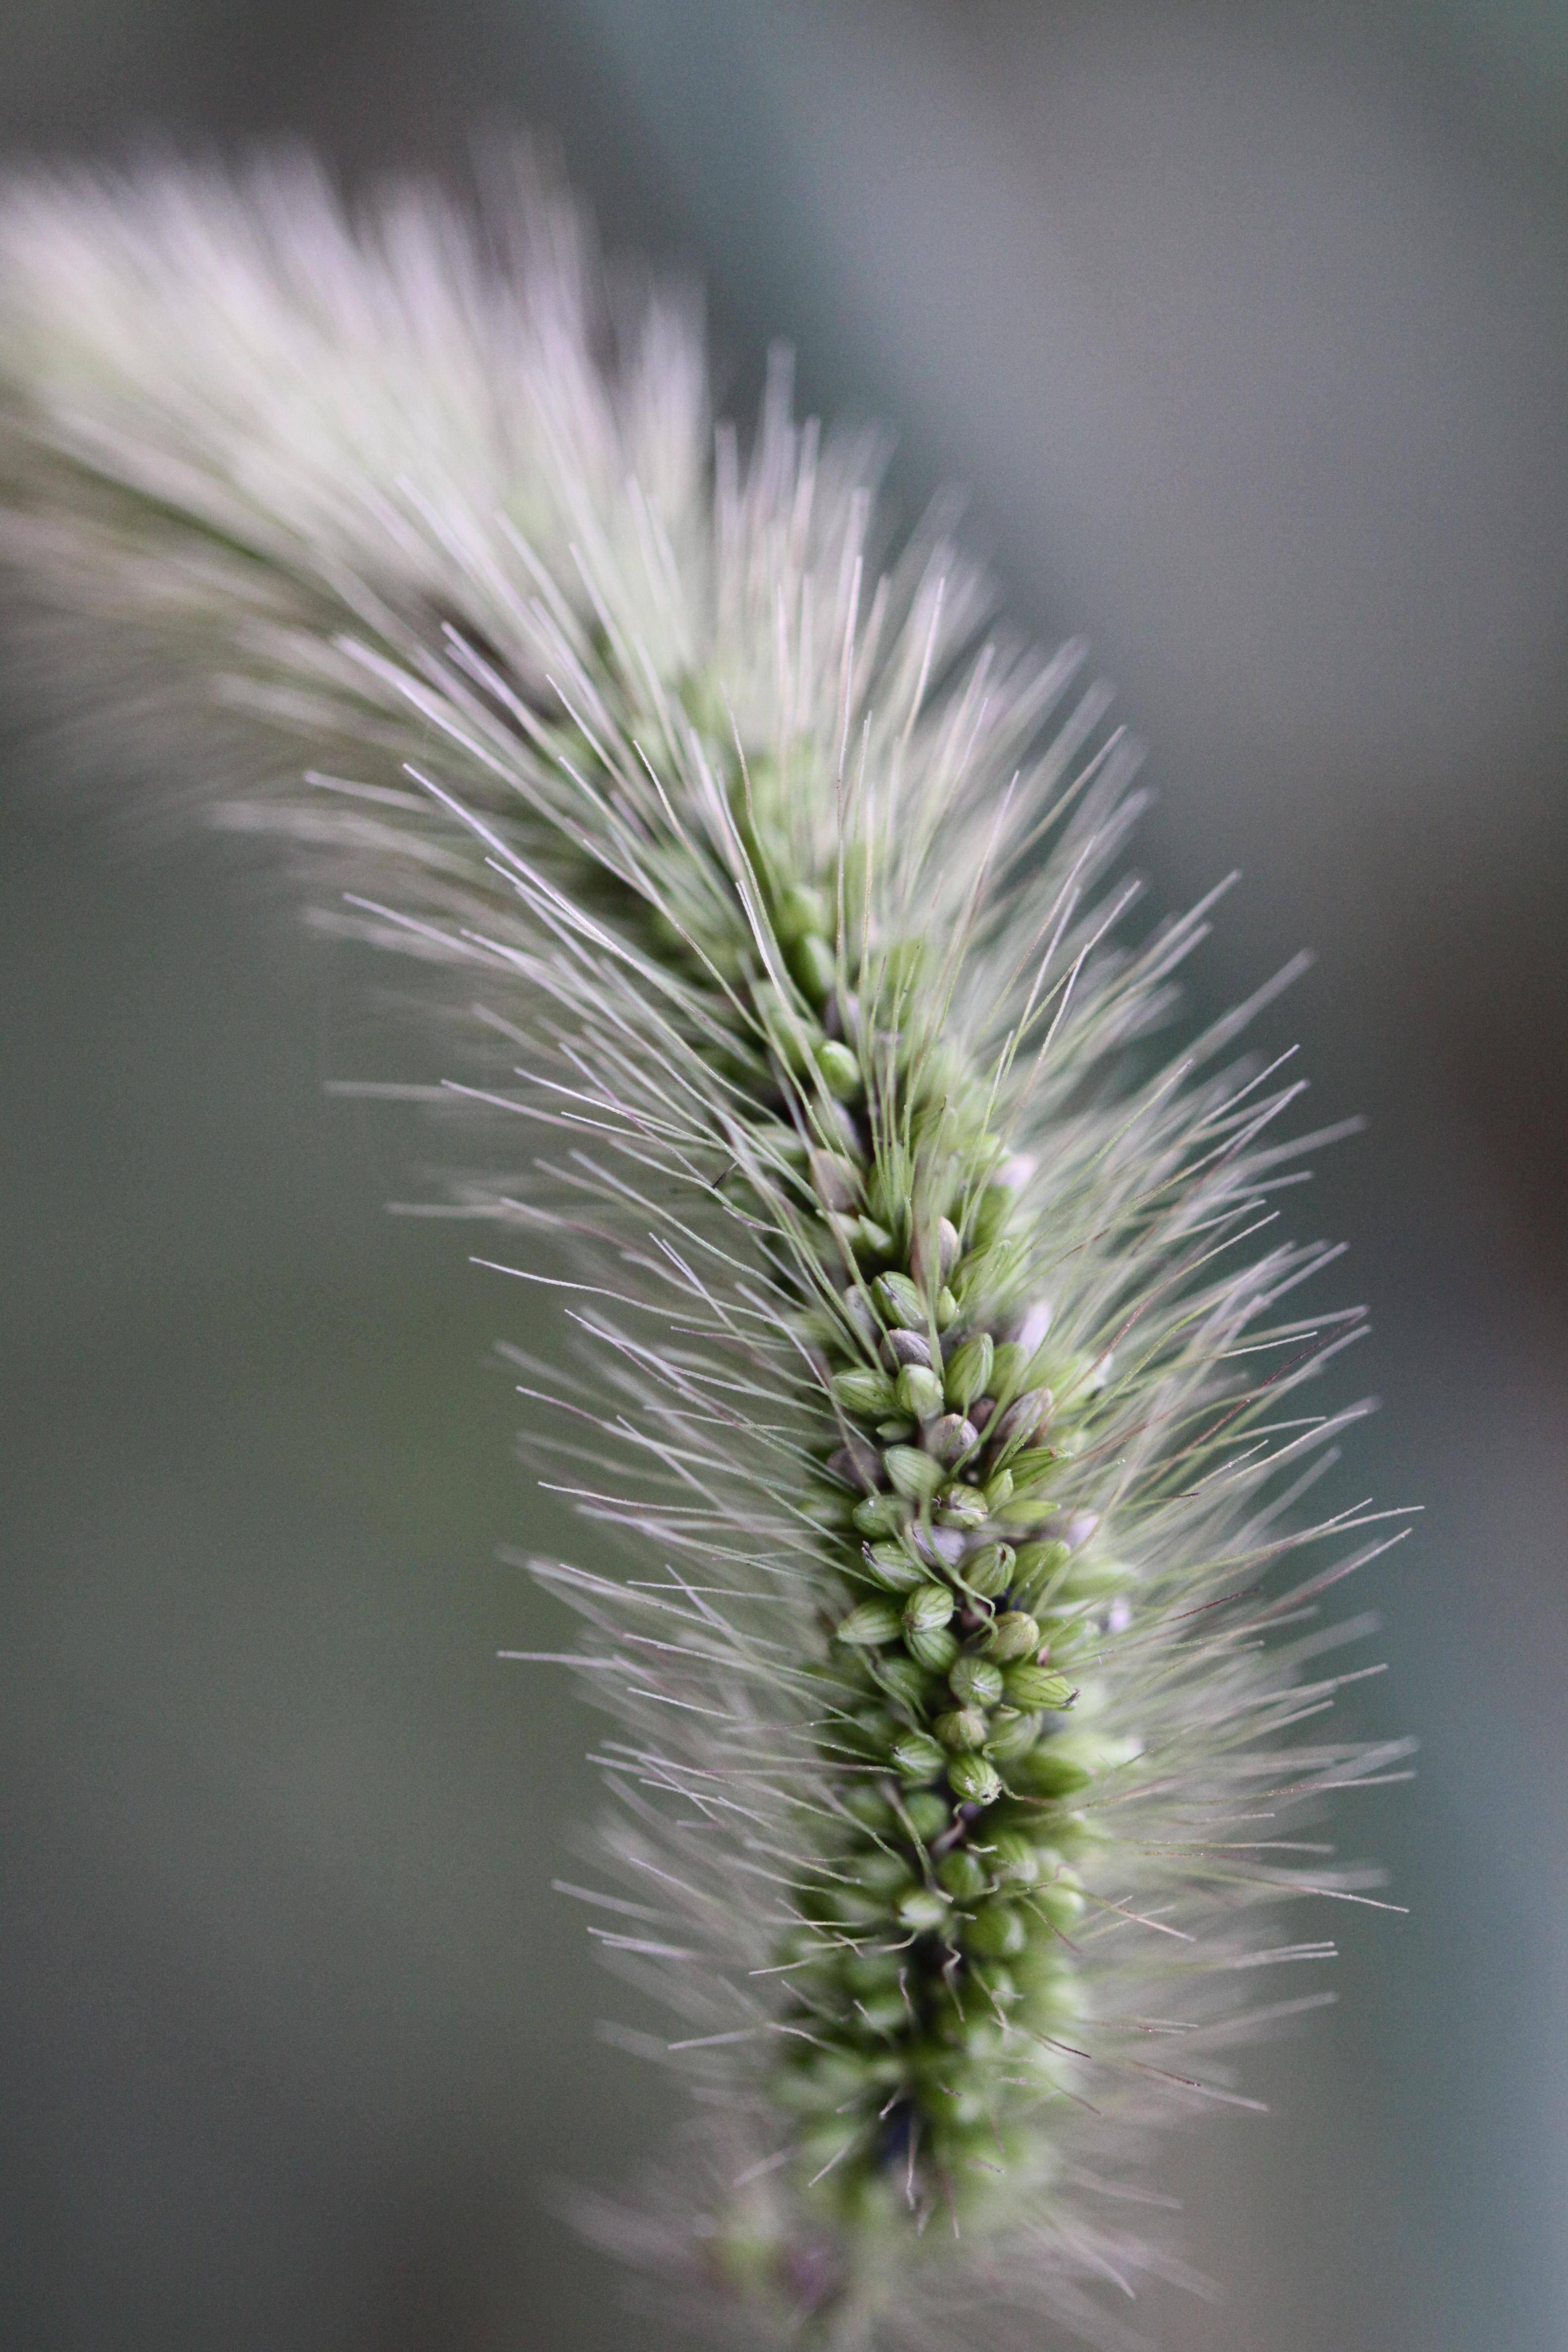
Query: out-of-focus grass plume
x=945 y=1375
x=1249 y=339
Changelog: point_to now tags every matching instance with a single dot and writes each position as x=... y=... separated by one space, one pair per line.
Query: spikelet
x=940 y=1392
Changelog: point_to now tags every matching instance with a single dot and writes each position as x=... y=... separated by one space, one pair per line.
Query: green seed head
x=814 y=967
x=801 y=910
x=835 y=1181
x=997 y=1931
x=1062 y=1903
x=951 y=1438
x=1012 y=1635
x=901 y=1301
x=880 y=1515
x=893 y=1567
x=1029 y=1685
x=1048 y=1772
x=1018 y=1423
x=962 y=1726
x=869 y=1393
x=927 y=1814
x=904 y=1679
x=961 y=1505
x=988 y=1569
x=872 y=1622
x=992 y=1212
x=925 y=1610
x=974 y=1682
x=1040 y=1566
x=914 y=1474
x=839 y=1070
x=963 y=1875
x=1012 y=1735
x=969 y=1371
x=923 y=1909
x=973 y=1780
x=919 y=1392
x=937 y=1649
x=918 y=1756
x=1009 y=1366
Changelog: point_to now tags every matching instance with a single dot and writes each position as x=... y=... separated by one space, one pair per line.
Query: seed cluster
x=932 y=1970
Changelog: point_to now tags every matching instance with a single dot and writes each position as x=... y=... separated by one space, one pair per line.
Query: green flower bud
x=992 y=1212
x=1061 y=1903
x=1034 y=1468
x=861 y=1316
x=893 y=1567
x=872 y=1732
x=867 y=1392
x=886 y=1874
x=923 y=1909
x=1018 y=1423
x=904 y=1679
x=880 y=1515
x=901 y=1302
x=918 y=1756
x=801 y=910
x=858 y=1463
x=840 y=1070
x=919 y=1392
x=835 y=1181
x=872 y=1622
x=927 y=1814
x=815 y=966
x=914 y=1474
x=951 y=1437
x=946 y=1309
x=933 y=1254
x=988 y=1570
x=845 y=1232
x=795 y=1037
x=973 y=1780
x=1039 y=1567
x=962 y=1726
x=1012 y=1735
x=868 y=1805
x=961 y=1506
x=1014 y=1634
x=968 y=1371
x=926 y=1609
x=981 y=1274
x=1047 y=1773
x=896 y=1432
x=1030 y=1686
x=1014 y=1859
x=963 y=1875
x=900 y=965
x=1009 y=1366
x=975 y=1683
x=937 y=1649
x=997 y=1931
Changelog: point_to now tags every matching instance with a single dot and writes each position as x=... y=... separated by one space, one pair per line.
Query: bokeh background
x=1246 y=330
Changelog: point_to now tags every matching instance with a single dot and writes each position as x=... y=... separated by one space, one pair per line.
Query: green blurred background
x=1246 y=331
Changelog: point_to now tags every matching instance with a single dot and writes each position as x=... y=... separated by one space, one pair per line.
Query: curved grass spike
x=942 y=1348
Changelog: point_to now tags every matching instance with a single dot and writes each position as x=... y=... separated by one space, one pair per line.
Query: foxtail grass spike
x=942 y=1388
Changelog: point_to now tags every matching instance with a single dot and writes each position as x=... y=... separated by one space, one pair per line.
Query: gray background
x=1246 y=331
